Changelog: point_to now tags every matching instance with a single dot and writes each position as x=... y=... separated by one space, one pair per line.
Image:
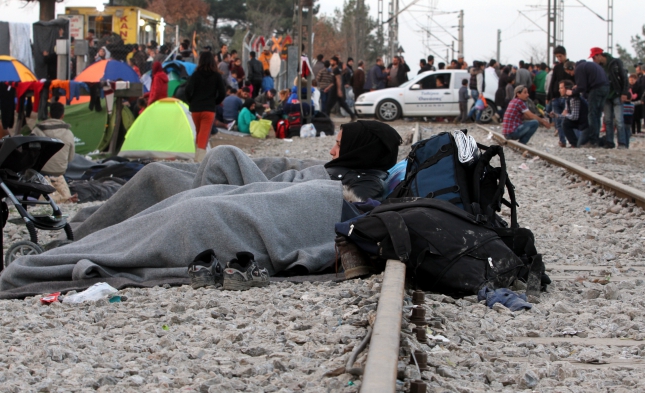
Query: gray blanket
x=156 y=224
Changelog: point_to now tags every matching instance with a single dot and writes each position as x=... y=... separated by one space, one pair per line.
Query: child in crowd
x=315 y=96
x=267 y=81
x=628 y=106
x=249 y=87
x=463 y=102
x=232 y=80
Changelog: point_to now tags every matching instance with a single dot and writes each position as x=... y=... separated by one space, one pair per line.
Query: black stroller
x=21 y=160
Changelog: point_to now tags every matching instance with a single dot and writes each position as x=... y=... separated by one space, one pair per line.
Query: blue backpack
x=434 y=171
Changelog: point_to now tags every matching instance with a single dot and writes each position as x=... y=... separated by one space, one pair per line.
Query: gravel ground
x=171 y=339
x=624 y=166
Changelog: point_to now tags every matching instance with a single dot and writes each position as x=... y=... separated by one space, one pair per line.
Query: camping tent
x=178 y=72
x=93 y=130
x=164 y=130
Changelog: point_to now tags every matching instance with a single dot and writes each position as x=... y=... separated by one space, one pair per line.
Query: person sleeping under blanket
x=281 y=210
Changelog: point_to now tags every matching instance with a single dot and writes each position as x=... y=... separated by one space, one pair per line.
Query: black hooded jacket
x=368 y=149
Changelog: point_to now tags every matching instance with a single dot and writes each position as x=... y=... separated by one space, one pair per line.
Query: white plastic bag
x=95 y=292
x=308 y=131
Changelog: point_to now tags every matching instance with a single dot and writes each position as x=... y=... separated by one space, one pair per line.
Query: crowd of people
x=571 y=97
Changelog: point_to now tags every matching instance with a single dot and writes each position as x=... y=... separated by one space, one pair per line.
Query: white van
x=430 y=94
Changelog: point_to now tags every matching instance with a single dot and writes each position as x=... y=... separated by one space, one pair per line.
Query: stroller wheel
x=19 y=249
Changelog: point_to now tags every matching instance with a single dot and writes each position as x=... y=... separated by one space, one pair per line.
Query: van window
x=460 y=76
x=436 y=81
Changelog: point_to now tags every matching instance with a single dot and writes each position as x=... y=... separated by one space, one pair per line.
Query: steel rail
x=383 y=355
x=621 y=190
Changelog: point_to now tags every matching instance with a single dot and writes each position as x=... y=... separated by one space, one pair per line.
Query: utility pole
x=390 y=31
x=559 y=39
x=551 y=29
x=499 y=42
x=395 y=25
x=452 y=49
x=461 y=33
x=610 y=26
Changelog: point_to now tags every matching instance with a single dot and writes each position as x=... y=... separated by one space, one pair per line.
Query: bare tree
x=534 y=53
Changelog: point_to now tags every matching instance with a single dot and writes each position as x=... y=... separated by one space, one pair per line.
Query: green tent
x=92 y=130
x=88 y=126
x=164 y=130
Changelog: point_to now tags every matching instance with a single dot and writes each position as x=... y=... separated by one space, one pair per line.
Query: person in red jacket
x=159 y=85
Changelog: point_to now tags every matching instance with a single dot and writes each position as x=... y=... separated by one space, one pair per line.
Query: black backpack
x=445 y=248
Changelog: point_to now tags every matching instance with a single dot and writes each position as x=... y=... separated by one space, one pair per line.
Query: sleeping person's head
x=365 y=144
x=363 y=152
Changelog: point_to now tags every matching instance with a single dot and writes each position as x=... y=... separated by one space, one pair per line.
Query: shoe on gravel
x=205 y=270
x=243 y=273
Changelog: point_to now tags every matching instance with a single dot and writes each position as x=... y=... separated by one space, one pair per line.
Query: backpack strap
x=398 y=231
x=504 y=183
x=444 y=151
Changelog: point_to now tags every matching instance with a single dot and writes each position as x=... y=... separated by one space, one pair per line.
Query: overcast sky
x=582 y=29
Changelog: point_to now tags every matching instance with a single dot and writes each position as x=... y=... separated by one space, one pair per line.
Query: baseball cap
x=595 y=51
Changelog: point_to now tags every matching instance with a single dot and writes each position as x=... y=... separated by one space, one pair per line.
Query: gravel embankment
x=624 y=166
x=286 y=337
x=498 y=350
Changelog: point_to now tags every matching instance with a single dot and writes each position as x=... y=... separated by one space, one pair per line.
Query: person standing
x=500 y=94
x=463 y=102
x=377 y=77
x=639 y=90
x=618 y=94
x=591 y=81
x=325 y=80
x=540 y=85
x=398 y=73
x=337 y=94
x=431 y=63
x=358 y=80
x=256 y=73
x=224 y=66
x=476 y=85
x=423 y=66
x=205 y=90
x=523 y=76
x=265 y=58
x=223 y=51
x=320 y=64
x=159 y=85
x=553 y=96
x=519 y=122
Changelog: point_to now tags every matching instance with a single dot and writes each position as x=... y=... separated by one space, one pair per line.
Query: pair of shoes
x=243 y=273
x=205 y=270
x=609 y=146
x=562 y=144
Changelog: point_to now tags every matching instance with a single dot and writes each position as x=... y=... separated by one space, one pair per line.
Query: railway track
x=383 y=356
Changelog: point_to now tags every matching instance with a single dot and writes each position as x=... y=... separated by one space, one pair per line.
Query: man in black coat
x=256 y=73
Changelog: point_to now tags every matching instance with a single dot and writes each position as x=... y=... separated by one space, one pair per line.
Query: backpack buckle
x=481 y=218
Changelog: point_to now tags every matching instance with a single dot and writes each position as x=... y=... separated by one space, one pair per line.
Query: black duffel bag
x=446 y=249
